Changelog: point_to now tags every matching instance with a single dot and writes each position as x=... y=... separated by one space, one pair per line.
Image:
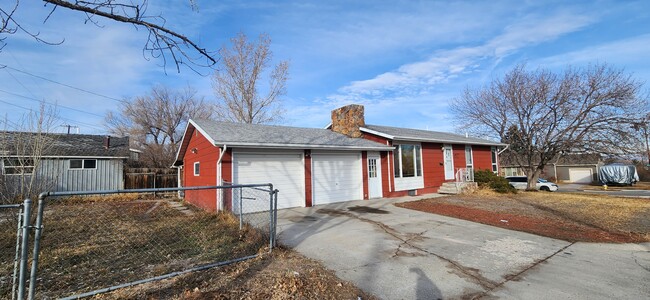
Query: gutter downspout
x=178 y=180
x=220 y=205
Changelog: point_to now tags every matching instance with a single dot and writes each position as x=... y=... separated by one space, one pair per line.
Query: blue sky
x=404 y=60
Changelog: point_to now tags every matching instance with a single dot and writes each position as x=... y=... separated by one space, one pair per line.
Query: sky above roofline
x=405 y=61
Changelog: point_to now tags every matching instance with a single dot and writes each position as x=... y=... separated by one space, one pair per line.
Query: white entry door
x=448 y=162
x=374 y=176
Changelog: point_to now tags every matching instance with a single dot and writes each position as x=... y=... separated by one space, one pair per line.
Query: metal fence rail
x=83 y=246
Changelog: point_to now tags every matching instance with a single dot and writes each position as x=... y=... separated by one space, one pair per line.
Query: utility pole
x=70 y=126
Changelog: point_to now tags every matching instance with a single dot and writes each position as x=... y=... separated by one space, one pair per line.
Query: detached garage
x=580 y=175
x=309 y=166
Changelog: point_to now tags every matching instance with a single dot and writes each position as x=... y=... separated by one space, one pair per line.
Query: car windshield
x=541 y=180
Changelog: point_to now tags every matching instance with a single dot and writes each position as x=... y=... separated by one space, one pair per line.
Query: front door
x=374 y=176
x=448 y=162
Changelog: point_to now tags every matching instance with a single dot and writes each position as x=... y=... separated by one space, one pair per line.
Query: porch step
x=453 y=188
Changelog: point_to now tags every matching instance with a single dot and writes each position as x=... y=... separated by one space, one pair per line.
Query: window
x=197 y=168
x=83 y=164
x=18 y=166
x=512 y=171
x=469 y=159
x=408 y=160
x=372 y=168
x=495 y=167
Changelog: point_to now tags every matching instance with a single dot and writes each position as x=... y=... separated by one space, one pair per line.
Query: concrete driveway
x=396 y=253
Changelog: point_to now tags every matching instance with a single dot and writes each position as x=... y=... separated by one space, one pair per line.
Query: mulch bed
x=550 y=227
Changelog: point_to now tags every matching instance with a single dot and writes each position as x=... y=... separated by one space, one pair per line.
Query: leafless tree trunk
x=542 y=114
x=21 y=154
x=155 y=122
x=162 y=42
x=236 y=82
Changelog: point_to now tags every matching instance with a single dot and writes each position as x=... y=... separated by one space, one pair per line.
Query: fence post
x=22 y=275
x=270 y=217
x=275 y=217
x=241 y=205
x=17 y=256
x=37 y=244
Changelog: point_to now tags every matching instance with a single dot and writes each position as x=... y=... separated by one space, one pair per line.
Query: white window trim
x=471 y=154
x=16 y=167
x=194 y=168
x=398 y=149
x=83 y=164
x=495 y=163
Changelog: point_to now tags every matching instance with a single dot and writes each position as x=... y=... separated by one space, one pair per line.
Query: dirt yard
x=570 y=217
x=94 y=243
x=284 y=274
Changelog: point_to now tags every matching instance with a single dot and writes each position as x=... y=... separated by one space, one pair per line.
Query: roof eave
x=305 y=146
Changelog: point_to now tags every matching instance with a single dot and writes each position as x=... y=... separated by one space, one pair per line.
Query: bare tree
x=156 y=121
x=236 y=82
x=642 y=127
x=21 y=155
x=161 y=43
x=542 y=114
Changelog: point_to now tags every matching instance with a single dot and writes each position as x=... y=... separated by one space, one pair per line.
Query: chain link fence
x=11 y=218
x=92 y=244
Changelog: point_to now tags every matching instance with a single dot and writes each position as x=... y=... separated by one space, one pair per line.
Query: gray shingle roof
x=239 y=134
x=65 y=145
x=427 y=135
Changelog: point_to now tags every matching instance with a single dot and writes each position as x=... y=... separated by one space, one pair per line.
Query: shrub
x=486 y=178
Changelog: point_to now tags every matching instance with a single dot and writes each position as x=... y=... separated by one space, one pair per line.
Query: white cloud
x=444 y=64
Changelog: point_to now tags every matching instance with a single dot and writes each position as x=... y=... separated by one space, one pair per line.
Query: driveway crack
x=472 y=274
x=516 y=275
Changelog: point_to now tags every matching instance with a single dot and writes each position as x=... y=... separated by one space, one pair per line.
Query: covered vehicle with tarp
x=618 y=174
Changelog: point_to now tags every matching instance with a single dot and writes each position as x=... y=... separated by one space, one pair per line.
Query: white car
x=521 y=183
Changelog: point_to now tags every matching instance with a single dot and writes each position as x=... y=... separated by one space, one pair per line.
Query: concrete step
x=454 y=188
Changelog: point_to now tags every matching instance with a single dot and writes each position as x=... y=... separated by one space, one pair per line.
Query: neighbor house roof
x=15 y=143
x=507 y=159
x=272 y=136
x=397 y=133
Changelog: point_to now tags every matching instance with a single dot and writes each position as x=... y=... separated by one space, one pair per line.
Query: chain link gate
x=85 y=246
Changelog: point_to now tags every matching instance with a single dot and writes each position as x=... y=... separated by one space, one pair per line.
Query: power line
x=62 y=84
x=54 y=116
x=52 y=104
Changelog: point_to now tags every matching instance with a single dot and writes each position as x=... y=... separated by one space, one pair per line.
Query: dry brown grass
x=575 y=217
x=90 y=243
x=607 y=212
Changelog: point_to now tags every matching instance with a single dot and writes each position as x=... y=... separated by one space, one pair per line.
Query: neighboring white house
x=63 y=162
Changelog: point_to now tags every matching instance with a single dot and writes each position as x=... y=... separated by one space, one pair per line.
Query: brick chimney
x=107 y=142
x=348 y=119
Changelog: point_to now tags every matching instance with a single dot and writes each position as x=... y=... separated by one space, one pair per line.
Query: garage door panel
x=580 y=175
x=336 y=178
x=284 y=171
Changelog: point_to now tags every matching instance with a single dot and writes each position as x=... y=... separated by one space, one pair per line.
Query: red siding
x=459 y=158
x=364 y=166
x=385 y=174
x=482 y=157
x=432 y=160
x=375 y=138
x=206 y=155
x=308 y=187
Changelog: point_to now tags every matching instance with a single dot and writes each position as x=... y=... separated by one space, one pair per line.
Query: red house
x=349 y=160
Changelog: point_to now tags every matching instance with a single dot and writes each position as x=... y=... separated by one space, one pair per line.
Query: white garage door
x=285 y=171
x=580 y=175
x=336 y=178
